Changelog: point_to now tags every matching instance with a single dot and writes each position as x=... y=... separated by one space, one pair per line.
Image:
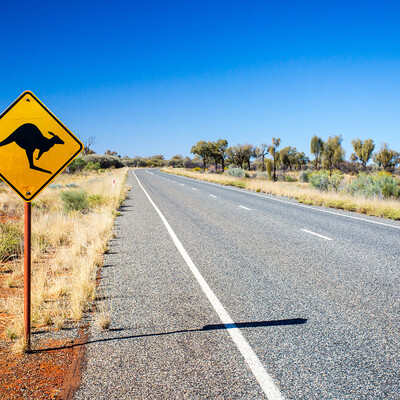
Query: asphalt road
x=314 y=294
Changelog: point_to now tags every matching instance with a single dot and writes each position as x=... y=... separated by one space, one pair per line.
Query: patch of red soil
x=52 y=371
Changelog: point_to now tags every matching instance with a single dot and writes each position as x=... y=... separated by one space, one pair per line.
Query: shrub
x=96 y=200
x=130 y=162
x=11 y=238
x=375 y=185
x=77 y=165
x=237 y=172
x=269 y=166
x=323 y=181
x=238 y=184
x=104 y=161
x=92 y=166
x=289 y=178
x=304 y=176
x=197 y=169
x=262 y=175
x=55 y=186
x=75 y=200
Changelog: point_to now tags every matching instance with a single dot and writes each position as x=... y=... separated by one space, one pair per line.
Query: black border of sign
x=62 y=125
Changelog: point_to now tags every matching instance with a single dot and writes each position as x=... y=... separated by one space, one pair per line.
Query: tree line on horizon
x=327 y=154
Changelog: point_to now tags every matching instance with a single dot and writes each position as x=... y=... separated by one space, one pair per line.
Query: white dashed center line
x=316 y=234
x=213 y=196
x=249 y=209
x=194 y=189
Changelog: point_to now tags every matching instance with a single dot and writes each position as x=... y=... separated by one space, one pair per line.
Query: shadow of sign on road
x=205 y=328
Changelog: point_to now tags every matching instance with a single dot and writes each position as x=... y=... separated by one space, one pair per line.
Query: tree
x=333 y=152
x=261 y=152
x=269 y=167
x=176 y=161
x=363 y=151
x=202 y=150
x=275 y=156
x=288 y=156
x=213 y=153
x=317 y=147
x=87 y=146
x=221 y=147
x=240 y=154
x=301 y=159
x=386 y=158
x=111 y=153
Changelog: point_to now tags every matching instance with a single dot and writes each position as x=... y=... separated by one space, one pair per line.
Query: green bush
x=77 y=165
x=322 y=180
x=11 y=239
x=75 y=200
x=304 y=176
x=238 y=184
x=104 y=161
x=96 y=200
x=289 y=178
x=375 y=185
x=237 y=172
x=92 y=166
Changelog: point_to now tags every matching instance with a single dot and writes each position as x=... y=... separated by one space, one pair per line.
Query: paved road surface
x=315 y=296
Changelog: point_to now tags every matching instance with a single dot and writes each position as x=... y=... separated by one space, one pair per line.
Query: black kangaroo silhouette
x=29 y=138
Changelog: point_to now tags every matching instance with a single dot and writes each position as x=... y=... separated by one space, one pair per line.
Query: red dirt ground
x=51 y=371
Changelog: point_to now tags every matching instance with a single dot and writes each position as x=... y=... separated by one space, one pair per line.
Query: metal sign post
x=27 y=275
x=35 y=147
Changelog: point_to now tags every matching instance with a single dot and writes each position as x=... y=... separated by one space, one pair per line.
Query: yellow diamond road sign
x=34 y=146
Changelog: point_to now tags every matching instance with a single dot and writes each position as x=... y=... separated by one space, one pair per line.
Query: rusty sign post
x=35 y=147
x=27 y=274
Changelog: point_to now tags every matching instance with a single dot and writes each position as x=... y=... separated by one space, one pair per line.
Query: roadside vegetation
x=369 y=183
x=72 y=222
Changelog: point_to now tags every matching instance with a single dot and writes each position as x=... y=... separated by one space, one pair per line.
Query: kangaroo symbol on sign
x=29 y=138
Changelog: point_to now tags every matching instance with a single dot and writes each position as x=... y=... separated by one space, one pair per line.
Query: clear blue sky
x=154 y=77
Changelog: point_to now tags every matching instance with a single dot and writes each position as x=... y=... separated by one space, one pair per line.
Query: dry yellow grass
x=67 y=249
x=302 y=192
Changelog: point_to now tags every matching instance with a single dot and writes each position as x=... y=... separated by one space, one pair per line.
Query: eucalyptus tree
x=333 y=152
x=201 y=149
x=288 y=156
x=317 y=147
x=275 y=155
x=221 y=146
x=362 y=151
x=260 y=152
x=301 y=159
x=240 y=154
x=386 y=158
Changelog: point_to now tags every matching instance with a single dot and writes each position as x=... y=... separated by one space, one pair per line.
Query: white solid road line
x=267 y=384
x=295 y=204
x=245 y=208
x=213 y=196
x=316 y=234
